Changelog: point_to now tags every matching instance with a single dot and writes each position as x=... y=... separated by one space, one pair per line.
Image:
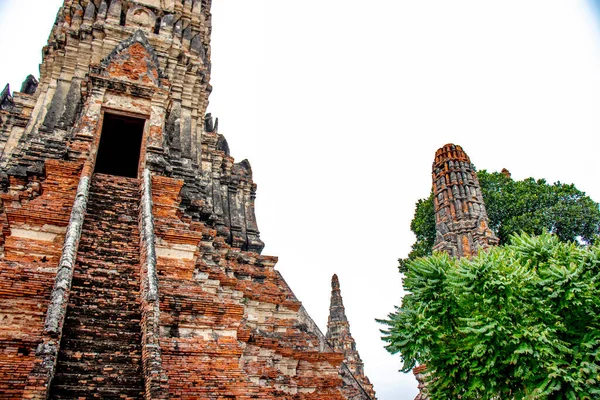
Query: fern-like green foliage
x=521 y=321
x=530 y=205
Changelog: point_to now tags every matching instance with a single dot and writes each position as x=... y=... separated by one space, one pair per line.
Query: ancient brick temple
x=130 y=257
x=462 y=224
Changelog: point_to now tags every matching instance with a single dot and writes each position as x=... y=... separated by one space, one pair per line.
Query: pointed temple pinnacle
x=340 y=339
x=337 y=311
x=462 y=225
x=335 y=282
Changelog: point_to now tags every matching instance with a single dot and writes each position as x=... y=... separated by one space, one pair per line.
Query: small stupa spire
x=340 y=339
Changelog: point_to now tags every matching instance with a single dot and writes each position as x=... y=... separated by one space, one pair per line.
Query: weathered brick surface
x=230 y=319
x=35 y=213
x=24 y=291
x=461 y=219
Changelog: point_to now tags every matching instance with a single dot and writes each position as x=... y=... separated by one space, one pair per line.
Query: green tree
x=423 y=226
x=521 y=321
x=531 y=206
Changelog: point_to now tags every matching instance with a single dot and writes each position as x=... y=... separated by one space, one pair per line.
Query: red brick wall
x=28 y=270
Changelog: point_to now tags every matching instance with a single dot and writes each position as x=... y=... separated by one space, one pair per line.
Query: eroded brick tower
x=130 y=262
x=461 y=220
x=462 y=224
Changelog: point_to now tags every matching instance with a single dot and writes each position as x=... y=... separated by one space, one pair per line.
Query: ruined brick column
x=462 y=225
x=340 y=339
x=461 y=220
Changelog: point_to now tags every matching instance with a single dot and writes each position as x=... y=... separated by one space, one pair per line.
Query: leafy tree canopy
x=521 y=321
x=531 y=206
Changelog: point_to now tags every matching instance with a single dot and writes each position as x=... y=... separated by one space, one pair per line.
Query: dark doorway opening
x=120 y=146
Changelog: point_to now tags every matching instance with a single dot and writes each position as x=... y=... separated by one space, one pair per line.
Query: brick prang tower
x=130 y=256
x=461 y=221
x=462 y=226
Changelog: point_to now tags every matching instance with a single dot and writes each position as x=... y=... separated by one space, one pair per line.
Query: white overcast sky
x=340 y=106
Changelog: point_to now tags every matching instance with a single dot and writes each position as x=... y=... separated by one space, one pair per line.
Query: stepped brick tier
x=130 y=256
x=462 y=224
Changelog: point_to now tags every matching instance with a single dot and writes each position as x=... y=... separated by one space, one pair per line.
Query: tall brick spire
x=340 y=339
x=460 y=215
x=338 y=327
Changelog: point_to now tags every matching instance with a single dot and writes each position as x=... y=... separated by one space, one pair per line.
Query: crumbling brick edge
x=155 y=379
x=148 y=236
x=66 y=265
